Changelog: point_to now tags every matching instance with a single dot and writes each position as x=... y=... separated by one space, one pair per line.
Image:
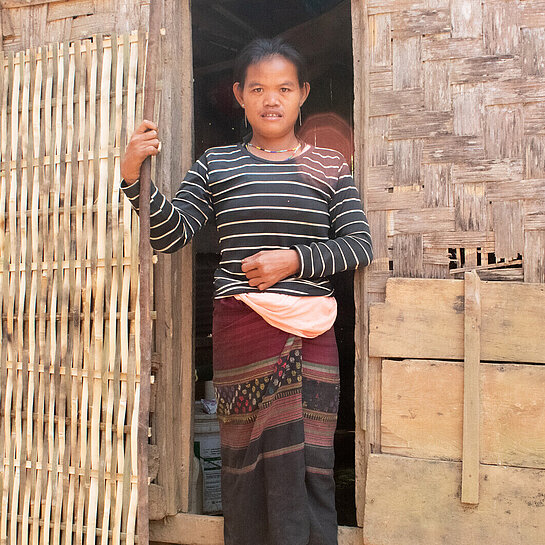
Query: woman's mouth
x=271 y=115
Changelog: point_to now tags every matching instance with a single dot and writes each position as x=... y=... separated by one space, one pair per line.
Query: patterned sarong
x=277 y=407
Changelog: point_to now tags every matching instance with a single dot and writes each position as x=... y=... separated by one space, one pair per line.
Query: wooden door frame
x=184 y=527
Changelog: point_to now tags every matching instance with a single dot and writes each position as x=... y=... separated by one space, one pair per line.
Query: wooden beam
x=145 y=253
x=422 y=411
x=189 y=529
x=366 y=401
x=472 y=361
x=424 y=318
x=411 y=501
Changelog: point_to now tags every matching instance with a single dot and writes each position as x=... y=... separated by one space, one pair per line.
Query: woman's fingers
x=146 y=125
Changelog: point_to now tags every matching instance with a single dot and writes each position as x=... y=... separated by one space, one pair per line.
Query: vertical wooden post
x=145 y=254
x=472 y=357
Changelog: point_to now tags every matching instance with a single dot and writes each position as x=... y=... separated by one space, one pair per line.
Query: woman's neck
x=287 y=142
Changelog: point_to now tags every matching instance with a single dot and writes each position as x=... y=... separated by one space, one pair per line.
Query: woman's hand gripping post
x=143 y=143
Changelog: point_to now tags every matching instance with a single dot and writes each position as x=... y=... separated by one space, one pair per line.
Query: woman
x=288 y=216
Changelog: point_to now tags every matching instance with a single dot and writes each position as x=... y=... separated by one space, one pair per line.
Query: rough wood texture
x=173 y=273
x=418 y=501
x=424 y=318
x=69 y=371
x=31 y=23
x=472 y=363
x=422 y=408
x=186 y=529
x=364 y=392
x=466 y=94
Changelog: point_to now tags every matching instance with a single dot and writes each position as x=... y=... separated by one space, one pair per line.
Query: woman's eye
x=284 y=89
x=257 y=90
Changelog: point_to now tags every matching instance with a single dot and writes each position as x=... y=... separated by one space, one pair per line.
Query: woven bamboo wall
x=456 y=177
x=69 y=369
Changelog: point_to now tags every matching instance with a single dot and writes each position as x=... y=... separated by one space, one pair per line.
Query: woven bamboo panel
x=456 y=177
x=69 y=366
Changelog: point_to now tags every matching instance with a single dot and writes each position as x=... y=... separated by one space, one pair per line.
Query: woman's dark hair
x=264 y=48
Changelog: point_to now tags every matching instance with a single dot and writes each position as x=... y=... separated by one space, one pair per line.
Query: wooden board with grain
x=424 y=318
x=422 y=411
x=418 y=501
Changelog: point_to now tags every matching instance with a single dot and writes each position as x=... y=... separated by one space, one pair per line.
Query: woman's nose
x=271 y=99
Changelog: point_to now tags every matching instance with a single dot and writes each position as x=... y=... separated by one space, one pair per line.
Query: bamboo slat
x=69 y=369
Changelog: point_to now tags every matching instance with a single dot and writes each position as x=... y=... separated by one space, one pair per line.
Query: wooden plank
x=534 y=264
x=533 y=56
x=488 y=170
x=385 y=102
x=422 y=411
x=466 y=18
x=501 y=28
x=423 y=220
x=470 y=207
x=485 y=68
x=532 y=14
x=188 y=529
x=507 y=221
x=26 y=3
x=437 y=90
x=436 y=47
x=437 y=190
x=380 y=47
x=525 y=190
x=407 y=63
x=503 y=135
x=534 y=166
x=407 y=255
x=419 y=22
x=424 y=318
x=407 y=159
x=403 y=492
x=453 y=149
x=74 y=8
x=469 y=239
x=472 y=361
x=360 y=39
x=397 y=199
x=420 y=125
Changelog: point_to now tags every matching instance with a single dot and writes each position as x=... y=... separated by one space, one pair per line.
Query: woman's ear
x=305 y=90
x=237 y=91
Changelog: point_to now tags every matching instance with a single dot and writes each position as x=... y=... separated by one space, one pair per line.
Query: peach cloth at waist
x=302 y=316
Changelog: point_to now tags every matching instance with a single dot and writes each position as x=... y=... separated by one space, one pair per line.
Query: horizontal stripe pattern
x=309 y=204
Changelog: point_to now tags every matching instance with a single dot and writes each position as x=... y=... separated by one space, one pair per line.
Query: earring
x=245 y=118
x=300 y=123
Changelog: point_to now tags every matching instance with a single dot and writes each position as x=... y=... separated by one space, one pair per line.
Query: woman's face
x=271 y=97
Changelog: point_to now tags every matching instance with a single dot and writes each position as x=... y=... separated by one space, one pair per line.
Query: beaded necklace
x=293 y=150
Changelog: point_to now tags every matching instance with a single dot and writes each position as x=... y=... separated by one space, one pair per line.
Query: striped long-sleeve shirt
x=308 y=203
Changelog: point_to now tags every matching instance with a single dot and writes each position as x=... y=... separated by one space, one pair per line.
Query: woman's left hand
x=266 y=268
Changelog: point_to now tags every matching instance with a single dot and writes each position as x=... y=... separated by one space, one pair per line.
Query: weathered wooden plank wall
x=69 y=369
x=453 y=176
x=31 y=23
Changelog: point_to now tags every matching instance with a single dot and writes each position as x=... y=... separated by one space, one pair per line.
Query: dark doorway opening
x=322 y=31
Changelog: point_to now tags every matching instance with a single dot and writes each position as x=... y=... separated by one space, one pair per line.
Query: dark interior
x=321 y=30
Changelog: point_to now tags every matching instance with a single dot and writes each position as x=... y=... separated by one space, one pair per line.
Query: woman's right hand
x=143 y=143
